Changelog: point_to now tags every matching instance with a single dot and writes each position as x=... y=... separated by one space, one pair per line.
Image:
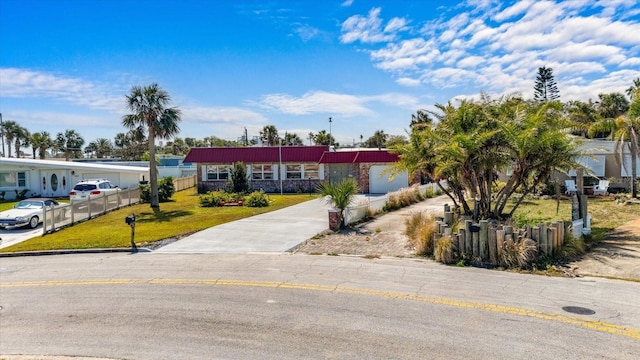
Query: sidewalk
x=276 y=231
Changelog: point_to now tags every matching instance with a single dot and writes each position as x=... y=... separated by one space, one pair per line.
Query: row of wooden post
x=484 y=241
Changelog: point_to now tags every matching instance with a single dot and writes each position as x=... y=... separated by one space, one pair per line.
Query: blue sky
x=67 y=64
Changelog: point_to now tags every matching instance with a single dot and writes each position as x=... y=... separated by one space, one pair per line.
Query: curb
x=79 y=251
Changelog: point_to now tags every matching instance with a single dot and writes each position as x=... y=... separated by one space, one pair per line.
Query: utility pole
x=330 y=137
x=2 y=134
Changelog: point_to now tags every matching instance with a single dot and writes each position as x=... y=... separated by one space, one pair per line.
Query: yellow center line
x=570 y=320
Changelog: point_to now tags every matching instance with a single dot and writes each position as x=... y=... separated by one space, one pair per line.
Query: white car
x=92 y=188
x=28 y=212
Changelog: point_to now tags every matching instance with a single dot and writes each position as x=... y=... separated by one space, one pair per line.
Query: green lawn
x=606 y=214
x=180 y=217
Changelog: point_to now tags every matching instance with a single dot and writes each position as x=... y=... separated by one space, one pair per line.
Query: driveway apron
x=276 y=231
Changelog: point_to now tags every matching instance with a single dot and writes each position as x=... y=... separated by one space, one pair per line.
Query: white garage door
x=379 y=182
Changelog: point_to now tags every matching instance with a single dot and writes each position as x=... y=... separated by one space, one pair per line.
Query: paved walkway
x=276 y=231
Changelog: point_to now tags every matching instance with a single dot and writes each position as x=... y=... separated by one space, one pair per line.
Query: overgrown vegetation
x=419 y=228
x=408 y=196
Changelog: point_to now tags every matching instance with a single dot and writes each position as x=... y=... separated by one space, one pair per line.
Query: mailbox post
x=131 y=221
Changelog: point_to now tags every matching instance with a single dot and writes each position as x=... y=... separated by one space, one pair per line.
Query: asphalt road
x=262 y=306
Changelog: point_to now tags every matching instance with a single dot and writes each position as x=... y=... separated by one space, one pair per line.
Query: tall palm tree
x=9 y=130
x=41 y=141
x=291 y=139
x=149 y=107
x=269 y=135
x=22 y=136
x=70 y=142
x=634 y=89
x=311 y=136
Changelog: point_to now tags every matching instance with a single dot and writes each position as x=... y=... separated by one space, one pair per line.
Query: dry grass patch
x=419 y=228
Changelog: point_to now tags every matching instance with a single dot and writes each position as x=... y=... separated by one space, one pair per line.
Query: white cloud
x=405 y=81
x=322 y=102
x=504 y=46
x=347 y=3
x=369 y=29
x=315 y=102
x=21 y=83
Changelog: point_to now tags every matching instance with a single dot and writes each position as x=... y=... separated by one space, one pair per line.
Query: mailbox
x=130 y=220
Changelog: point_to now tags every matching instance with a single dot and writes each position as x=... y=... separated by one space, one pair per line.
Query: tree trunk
x=153 y=174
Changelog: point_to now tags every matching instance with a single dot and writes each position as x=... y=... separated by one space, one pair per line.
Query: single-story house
x=56 y=178
x=296 y=168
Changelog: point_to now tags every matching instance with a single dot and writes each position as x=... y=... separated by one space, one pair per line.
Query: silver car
x=28 y=212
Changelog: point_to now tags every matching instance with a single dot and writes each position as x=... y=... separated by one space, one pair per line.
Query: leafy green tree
x=269 y=135
x=239 y=180
x=41 y=141
x=70 y=143
x=545 y=88
x=582 y=115
x=339 y=195
x=149 y=107
x=396 y=140
x=609 y=107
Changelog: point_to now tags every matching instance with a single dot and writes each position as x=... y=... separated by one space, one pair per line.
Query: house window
x=294 y=172
x=312 y=171
x=303 y=171
x=218 y=172
x=262 y=172
x=13 y=179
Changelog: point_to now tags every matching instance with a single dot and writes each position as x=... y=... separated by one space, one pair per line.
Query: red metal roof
x=338 y=157
x=381 y=156
x=266 y=154
x=301 y=154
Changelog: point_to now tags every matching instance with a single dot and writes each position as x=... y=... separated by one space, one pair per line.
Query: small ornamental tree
x=239 y=180
x=339 y=195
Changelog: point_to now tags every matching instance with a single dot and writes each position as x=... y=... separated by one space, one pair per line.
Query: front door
x=54 y=183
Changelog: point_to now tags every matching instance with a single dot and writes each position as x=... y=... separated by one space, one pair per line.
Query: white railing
x=85 y=209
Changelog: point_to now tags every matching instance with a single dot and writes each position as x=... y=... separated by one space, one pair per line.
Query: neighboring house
x=53 y=178
x=295 y=168
x=601 y=160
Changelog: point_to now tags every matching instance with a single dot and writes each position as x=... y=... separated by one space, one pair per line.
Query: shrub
x=572 y=247
x=166 y=189
x=444 y=250
x=213 y=198
x=256 y=199
x=419 y=228
x=429 y=193
x=519 y=253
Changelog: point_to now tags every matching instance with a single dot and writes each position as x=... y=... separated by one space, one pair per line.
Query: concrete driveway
x=276 y=231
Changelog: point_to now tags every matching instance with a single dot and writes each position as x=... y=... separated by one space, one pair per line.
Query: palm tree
x=324 y=138
x=291 y=139
x=22 y=136
x=150 y=111
x=70 y=142
x=339 y=195
x=269 y=135
x=379 y=140
x=311 y=136
x=634 y=89
x=628 y=130
x=9 y=130
x=42 y=142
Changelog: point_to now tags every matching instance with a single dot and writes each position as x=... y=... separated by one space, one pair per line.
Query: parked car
x=29 y=212
x=92 y=188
